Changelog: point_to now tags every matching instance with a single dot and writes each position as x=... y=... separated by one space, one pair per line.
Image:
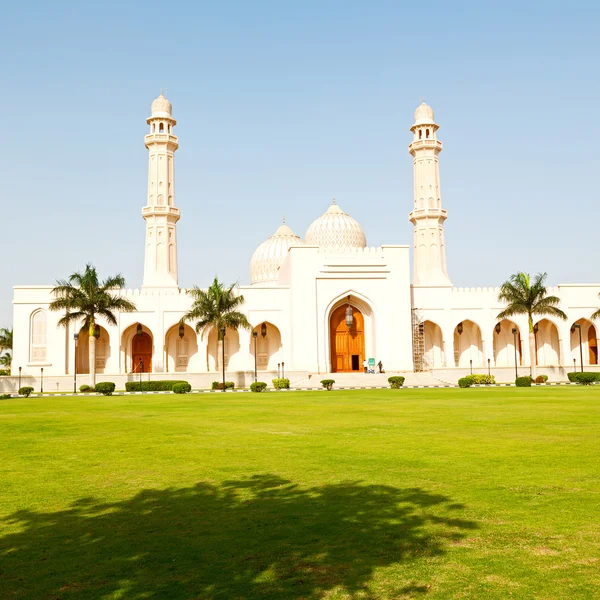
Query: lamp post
x=19 y=378
x=489 y=370
x=471 y=366
x=574 y=365
x=282 y=369
x=223 y=332
x=141 y=369
x=255 y=336
x=514 y=332
x=75 y=338
x=278 y=368
x=42 y=380
x=578 y=327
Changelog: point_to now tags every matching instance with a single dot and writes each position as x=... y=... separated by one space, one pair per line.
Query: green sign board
x=372 y=363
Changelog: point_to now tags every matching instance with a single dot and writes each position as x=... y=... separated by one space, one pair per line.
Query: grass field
x=480 y=493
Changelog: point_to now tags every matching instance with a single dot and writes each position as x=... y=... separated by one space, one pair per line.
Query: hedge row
x=151 y=386
x=584 y=378
x=218 y=385
x=469 y=380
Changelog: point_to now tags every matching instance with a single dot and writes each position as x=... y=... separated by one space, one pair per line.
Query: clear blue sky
x=282 y=105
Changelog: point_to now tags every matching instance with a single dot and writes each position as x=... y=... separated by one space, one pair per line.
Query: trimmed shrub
x=258 y=386
x=25 y=391
x=86 y=388
x=105 y=387
x=281 y=383
x=218 y=385
x=5 y=396
x=523 y=381
x=541 y=379
x=4 y=372
x=396 y=382
x=465 y=382
x=585 y=378
x=328 y=383
x=182 y=387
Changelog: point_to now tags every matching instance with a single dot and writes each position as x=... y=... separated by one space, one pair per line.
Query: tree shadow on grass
x=261 y=537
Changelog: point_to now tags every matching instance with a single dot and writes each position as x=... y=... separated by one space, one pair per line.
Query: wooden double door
x=141 y=353
x=347 y=345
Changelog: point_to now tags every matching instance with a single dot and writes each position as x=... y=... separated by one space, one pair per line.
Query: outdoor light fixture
x=498 y=328
x=536 y=328
x=96 y=331
x=138 y=329
x=459 y=328
x=42 y=380
x=223 y=333
x=263 y=330
x=514 y=332
x=255 y=336
x=349 y=317
x=181 y=331
x=578 y=327
x=75 y=338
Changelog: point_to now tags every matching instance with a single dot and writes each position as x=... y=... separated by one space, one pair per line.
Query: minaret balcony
x=428 y=213
x=161 y=138
x=161 y=210
x=425 y=144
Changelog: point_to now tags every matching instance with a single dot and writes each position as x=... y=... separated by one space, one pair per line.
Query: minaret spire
x=160 y=212
x=427 y=215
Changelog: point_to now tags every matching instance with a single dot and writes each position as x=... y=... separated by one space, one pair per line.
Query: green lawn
x=433 y=494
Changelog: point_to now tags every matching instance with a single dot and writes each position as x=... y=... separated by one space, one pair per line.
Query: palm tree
x=524 y=297
x=84 y=298
x=6 y=360
x=6 y=339
x=596 y=315
x=216 y=308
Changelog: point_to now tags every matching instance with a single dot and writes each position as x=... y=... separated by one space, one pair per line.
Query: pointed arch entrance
x=141 y=351
x=347 y=344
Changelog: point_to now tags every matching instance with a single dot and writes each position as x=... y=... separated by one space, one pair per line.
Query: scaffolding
x=418 y=340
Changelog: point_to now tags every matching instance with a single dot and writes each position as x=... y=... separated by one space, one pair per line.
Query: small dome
x=267 y=258
x=161 y=107
x=424 y=114
x=335 y=229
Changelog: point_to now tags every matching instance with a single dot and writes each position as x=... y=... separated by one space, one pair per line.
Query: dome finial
x=161 y=107
x=424 y=114
x=333 y=201
x=283 y=220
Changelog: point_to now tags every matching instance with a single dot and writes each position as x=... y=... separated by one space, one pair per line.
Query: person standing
x=365 y=365
x=380 y=365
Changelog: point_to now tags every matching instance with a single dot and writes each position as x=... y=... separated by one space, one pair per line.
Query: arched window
x=153 y=127
x=169 y=129
x=427 y=133
x=37 y=336
x=161 y=128
x=420 y=133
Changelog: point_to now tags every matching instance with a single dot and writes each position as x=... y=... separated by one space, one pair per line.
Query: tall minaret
x=427 y=215
x=160 y=212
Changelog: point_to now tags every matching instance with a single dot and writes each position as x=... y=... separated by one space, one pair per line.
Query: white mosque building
x=319 y=304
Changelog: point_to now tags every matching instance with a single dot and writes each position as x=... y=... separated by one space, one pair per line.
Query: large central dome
x=335 y=229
